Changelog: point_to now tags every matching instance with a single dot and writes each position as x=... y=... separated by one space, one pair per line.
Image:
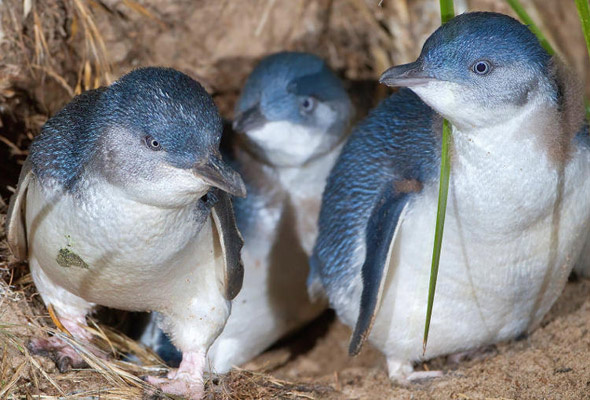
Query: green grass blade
x=526 y=18
x=584 y=14
x=443 y=189
x=447 y=11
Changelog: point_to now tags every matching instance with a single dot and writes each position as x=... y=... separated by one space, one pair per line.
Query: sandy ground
x=550 y=363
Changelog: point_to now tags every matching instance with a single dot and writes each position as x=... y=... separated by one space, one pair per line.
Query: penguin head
x=477 y=70
x=293 y=108
x=159 y=138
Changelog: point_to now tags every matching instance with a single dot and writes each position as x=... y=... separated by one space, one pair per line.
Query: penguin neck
x=308 y=179
x=536 y=127
x=258 y=171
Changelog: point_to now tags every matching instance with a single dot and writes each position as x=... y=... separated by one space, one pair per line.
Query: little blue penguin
x=291 y=120
x=518 y=210
x=124 y=201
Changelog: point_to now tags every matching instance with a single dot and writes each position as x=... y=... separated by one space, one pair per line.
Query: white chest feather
x=290 y=144
x=114 y=251
x=305 y=187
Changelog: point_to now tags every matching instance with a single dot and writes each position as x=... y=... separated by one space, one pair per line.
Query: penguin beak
x=411 y=74
x=220 y=175
x=249 y=120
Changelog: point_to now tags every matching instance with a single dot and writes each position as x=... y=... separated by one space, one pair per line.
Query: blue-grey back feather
x=395 y=142
x=66 y=142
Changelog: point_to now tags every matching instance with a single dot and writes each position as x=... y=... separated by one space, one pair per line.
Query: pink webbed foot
x=187 y=380
x=419 y=376
x=64 y=356
x=62 y=353
x=402 y=372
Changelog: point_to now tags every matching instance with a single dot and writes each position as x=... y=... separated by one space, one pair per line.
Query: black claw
x=64 y=364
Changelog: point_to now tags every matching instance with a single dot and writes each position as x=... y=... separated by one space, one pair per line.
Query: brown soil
x=551 y=363
x=60 y=47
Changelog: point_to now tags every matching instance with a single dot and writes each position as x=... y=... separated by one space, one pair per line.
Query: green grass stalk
x=447 y=12
x=584 y=14
x=527 y=20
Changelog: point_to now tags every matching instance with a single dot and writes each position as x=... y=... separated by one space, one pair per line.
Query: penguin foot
x=419 y=376
x=64 y=356
x=402 y=373
x=186 y=387
x=399 y=370
x=62 y=353
x=187 y=380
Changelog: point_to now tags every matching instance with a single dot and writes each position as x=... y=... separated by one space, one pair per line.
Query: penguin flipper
x=16 y=232
x=382 y=228
x=232 y=273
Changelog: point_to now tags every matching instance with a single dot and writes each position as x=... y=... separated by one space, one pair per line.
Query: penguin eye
x=307 y=104
x=152 y=143
x=481 y=67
